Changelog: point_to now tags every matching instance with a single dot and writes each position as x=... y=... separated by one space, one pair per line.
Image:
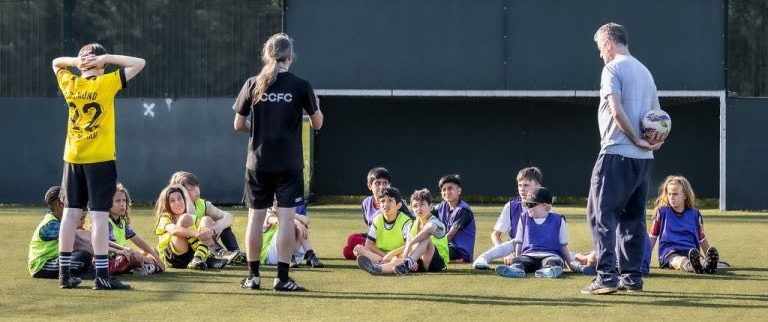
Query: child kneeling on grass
x=679 y=228
x=388 y=232
x=542 y=240
x=425 y=249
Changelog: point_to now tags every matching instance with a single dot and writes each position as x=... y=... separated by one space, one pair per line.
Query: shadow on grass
x=722 y=275
x=693 y=300
x=761 y=218
x=714 y=296
x=748 y=269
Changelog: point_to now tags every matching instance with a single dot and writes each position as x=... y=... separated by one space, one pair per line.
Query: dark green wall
x=501 y=44
x=746 y=159
x=194 y=135
x=488 y=140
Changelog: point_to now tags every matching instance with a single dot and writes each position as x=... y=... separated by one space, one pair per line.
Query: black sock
x=101 y=262
x=309 y=254
x=65 y=260
x=253 y=268
x=282 y=271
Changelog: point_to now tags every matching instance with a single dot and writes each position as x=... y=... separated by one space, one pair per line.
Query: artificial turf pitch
x=341 y=291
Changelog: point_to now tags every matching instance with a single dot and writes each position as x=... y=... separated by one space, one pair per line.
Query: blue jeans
x=616 y=213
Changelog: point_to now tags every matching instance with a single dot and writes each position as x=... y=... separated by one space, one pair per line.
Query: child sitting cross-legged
x=388 y=232
x=425 y=249
x=542 y=240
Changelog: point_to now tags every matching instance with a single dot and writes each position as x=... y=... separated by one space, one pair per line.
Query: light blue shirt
x=629 y=78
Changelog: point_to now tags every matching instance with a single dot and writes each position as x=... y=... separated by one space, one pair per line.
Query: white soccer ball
x=656 y=121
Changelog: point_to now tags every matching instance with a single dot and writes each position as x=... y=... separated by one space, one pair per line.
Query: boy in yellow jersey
x=426 y=248
x=90 y=174
x=388 y=231
x=43 y=249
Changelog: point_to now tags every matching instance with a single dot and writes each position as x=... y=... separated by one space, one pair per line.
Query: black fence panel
x=193 y=48
x=748 y=48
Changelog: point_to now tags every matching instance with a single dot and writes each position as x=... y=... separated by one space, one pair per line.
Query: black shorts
x=90 y=182
x=436 y=265
x=261 y=188
x=179 y=261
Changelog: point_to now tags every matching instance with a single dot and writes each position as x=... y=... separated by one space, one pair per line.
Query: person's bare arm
x=371 y=245
x=304 y=220
x=242 y=124
x=316 y=119
x=222 y=218
x=496 y=237
x=622 y=121
x=394 y=253
x=131 y=65
x=425 y=232
x=566 y=256
x=452 y=233
x=64 y=62
x=141 y=244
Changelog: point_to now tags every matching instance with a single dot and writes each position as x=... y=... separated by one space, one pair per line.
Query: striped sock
x=65 y=260
x=101 y=263
x=201 y=250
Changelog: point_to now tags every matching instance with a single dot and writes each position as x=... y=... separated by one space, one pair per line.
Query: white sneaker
x=481 y=264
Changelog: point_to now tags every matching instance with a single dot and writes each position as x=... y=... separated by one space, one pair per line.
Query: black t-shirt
x=274 y=144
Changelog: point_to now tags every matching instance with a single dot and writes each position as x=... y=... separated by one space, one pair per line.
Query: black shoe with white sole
x=109 y=283
x=252 y=282
x=695 y=258
x=713 y=257
x=69 y=281
x=288 y=285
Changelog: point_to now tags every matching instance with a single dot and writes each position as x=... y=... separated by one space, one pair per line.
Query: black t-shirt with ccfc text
x=274 y=143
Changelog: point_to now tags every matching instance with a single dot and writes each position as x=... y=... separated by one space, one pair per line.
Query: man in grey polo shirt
x=619 y=184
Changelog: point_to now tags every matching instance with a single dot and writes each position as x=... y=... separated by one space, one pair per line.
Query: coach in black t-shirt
x=274 y=101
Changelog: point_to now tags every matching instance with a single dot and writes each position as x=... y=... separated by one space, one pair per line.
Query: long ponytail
x=278 y=48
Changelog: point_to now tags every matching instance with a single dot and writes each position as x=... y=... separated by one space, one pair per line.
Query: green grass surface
x=340 y=291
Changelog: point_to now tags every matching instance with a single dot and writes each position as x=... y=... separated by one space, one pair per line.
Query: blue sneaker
x=509 y=271
x=549 y=272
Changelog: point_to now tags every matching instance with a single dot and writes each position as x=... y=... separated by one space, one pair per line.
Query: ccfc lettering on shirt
x=277 y=97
